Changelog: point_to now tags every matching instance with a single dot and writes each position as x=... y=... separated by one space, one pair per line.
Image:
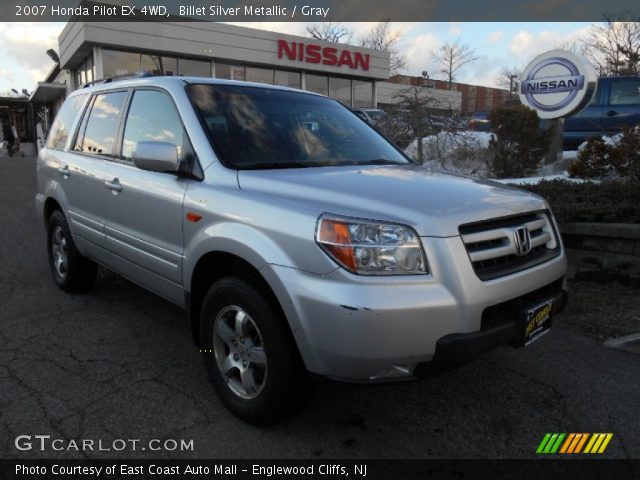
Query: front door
x=144 y=222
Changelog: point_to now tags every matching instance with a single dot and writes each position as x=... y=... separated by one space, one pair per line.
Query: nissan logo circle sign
x=557 y=84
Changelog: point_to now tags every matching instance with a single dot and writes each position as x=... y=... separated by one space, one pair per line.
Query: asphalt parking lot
x=119 y=363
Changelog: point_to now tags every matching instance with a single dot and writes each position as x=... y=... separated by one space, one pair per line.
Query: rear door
x=82 y=168
x=144 y=221
x=624 y=104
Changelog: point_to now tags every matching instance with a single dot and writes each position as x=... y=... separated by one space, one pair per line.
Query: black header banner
x=325 y=469
x=314 y=10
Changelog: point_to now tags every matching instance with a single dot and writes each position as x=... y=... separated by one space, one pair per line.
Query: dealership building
x=91 y=51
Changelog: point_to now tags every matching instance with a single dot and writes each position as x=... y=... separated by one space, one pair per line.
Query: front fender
x=237 y=239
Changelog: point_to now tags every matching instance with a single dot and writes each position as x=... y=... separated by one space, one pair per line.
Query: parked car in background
x=479 y=122
x=370 y=115
x=436 y=125
x=616 y=103
x=298 y=239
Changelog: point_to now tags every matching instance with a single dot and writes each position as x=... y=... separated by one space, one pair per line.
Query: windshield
x=259 y=128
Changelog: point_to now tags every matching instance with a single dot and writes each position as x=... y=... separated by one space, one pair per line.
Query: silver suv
x=298 y=239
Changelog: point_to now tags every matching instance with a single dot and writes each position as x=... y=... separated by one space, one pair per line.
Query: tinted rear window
x=258 y=128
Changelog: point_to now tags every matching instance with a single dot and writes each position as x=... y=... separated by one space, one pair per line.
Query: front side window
x=102 y=125
x=625 y=93
x=259 y=128
x=152 y=117
x=63 y=123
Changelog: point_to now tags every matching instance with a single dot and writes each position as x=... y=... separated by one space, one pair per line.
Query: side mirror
x=156 y=157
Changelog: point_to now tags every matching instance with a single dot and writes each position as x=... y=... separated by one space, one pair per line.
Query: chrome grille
x=493 y=247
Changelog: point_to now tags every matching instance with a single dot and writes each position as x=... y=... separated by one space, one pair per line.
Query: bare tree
x=509 y=79
x=452 y=56
x=573 y=46
x=416 y=106
x=331 y=32
x=381 y=37
x=615 y=46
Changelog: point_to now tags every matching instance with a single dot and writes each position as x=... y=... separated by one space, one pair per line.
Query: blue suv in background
x=616 y=103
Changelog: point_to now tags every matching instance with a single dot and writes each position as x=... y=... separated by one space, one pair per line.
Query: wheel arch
x=215 y=265
x=50 y=206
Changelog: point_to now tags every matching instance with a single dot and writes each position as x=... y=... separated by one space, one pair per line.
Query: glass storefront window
x=89 y=69
x=259 y=75
x=317 y=83
x=85 y=72
x=340 y=89
x=287 y=79
x=194 y=68
x=119 y=63
x=229 y=71
x=158 y=65
x=362 y=93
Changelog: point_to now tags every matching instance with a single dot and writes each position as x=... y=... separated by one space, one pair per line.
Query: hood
x=433 y=204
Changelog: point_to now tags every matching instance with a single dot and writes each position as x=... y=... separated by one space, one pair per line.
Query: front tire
x=250 y=354
x=71 y=271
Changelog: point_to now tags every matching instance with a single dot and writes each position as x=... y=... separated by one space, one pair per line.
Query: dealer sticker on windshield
x=537 y=322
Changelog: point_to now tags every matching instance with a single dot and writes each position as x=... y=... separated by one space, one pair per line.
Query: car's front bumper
x=361 y=328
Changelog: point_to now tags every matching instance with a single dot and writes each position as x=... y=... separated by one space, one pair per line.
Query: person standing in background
x=8 y=133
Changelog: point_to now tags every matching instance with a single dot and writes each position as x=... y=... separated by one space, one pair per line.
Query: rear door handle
x=64 y=171
x=611 y=113
x=113 y=185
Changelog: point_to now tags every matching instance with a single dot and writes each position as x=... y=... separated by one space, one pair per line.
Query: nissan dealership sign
x=328 y=55
x=557 y=84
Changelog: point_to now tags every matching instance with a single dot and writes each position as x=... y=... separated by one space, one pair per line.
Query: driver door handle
x=113 y=185
x=64 y=171
x=611 y=113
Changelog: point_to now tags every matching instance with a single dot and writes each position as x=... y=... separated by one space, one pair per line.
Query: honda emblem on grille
x=522 y=241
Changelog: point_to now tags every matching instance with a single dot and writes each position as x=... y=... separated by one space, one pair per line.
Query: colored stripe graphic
x=581 y=443
x=573 y=443
x=567 y=443
x=543 y=442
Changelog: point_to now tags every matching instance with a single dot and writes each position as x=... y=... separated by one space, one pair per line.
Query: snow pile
x=536 y=180
x=467 y=153
x=463 y=153
x=611 y=141
x=446 y=143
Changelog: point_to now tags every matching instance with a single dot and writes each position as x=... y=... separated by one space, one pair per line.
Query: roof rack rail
x=116 y=78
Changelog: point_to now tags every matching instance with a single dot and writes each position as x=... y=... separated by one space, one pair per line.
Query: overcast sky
x=23 y=61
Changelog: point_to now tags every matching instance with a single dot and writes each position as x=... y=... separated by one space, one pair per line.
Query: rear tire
x=250 y=355
x=71 y=271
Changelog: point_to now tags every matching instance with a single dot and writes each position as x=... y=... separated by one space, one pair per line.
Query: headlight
x=371 y=248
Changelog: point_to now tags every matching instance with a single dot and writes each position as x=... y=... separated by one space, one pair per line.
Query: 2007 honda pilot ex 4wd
x=297 y=237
